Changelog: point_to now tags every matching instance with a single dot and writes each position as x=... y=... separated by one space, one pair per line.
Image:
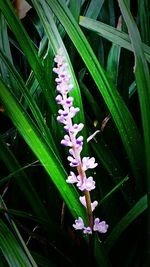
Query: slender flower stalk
x=75 y=143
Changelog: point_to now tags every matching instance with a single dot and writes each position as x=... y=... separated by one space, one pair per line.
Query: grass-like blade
x=29 y=51
x=144 y=18
x=22 y=180
x=132 y=214
x=11 y=249
x=110 y=33
x=94 y=8
x=29 y=99
x=143 y=81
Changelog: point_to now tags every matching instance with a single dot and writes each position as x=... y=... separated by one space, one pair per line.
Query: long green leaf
x=30 y=100
x=134 y=212
x=11 y=250
x=144 y=17
x=22 y=180
x=4 y=44
x=94 y=8
x=143 y=81
x=113 y=35
x=29 y=50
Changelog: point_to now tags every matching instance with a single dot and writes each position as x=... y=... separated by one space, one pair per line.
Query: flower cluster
x=75 y=144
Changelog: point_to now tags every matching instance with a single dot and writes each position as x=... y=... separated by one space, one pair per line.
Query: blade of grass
x=25 y=186
x=94 y=8
x=74 y=7
x=144 y=21
x=133 y=213
x=111 y=13
x=143 y=81
x=113 y=190
x=42 y=261
x=29 y=51
x=17 y=235
x=11 y=250
x=113 y=61
x=113 y=35
x=7 y=178
x=4 y=44
x=29 y=99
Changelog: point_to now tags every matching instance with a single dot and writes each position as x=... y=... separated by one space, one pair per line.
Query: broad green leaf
x=12 y=251
x=113 y=35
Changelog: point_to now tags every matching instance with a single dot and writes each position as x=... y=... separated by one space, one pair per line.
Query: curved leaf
x=11 y=250
x=134 y=212
x=112 y=34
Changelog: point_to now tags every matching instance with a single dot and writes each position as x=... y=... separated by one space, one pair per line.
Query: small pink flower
x=88 y=163
x=73 y=161
x=66 y=141
x=99 y=226
x=87 y=230
x=87 y=184
x=72 y=178
x=79 y=225
x=93 y=204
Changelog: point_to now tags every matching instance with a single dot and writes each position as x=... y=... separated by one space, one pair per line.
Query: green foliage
x=106 y=46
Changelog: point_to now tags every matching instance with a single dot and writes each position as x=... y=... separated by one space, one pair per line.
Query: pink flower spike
x=88 y=163
x=72 y=178
x=101 y=227
x=79 y=225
